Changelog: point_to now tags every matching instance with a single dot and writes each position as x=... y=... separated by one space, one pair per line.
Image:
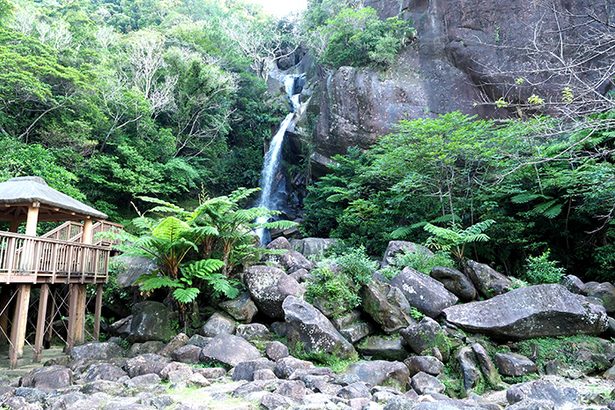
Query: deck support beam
x=20 y=320
x=40 y=322
x=76 y=315
x=97 y=310
x=5 y=297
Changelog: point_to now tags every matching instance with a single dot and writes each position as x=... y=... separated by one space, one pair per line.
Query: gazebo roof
x=24 y=191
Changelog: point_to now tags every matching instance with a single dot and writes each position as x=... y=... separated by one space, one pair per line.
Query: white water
x=271 y=166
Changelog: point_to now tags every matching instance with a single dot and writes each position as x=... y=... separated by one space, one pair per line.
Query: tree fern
x=454 y=239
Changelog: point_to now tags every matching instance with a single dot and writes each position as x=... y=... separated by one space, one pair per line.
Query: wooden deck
x=37 y=260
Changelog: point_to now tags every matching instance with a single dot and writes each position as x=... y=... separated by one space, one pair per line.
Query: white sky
x=281 y=8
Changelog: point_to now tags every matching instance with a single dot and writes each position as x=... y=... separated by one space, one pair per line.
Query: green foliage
x=422 y=262
x=335 y=284
x=360 y=38
x=416 y=314
x=455 y=239
x=332 y=361
x=540 y=269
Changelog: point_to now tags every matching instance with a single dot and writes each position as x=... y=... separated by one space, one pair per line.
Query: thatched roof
x=23 y=191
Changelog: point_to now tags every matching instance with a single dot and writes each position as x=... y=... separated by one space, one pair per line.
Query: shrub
x=540 y=269
x=423 y=262
x=357 y=265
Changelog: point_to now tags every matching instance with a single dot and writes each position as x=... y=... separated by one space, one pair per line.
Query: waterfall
x=271 y=165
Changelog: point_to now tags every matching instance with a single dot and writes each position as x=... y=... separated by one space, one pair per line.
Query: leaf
x=201 y=269
x=526 y=197
x=186 y=295
x=154 y=281
x=170 y=229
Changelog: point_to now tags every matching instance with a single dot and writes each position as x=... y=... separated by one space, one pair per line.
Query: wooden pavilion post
x=97 y=310
x=5 y=297
x=32 y=220
x=40 y=322
x=18 y=328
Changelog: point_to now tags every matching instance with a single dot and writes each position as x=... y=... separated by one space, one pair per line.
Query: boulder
x=381 y=373
x=230 y=350
x=356 y=390
x=293 y=261
x=187 y=354
x=279 y=243
x=534 y=311
x=145 y=364
x=121 y=327
x=573 y=284
x=386 y=305
x=48 y=378
x=424 y=383
x=198 y=340
x=218 y=324
x=179 y=340
x=151 y=321
x=293 y=389
x=352 y=327
x=269 y=287
x=285 y=367
x=395 y=247
x=425 y=337
x=130 y=268
x=313 y=330
x=245 y=370
x=383 y=347
x=301 y=275
x=102 y=371
x=455 y=282
x=605 y=292
x=276 y=350
x=428 y=364
x=312 y=246
x=241 y=308
x=96 y=351
x=487 y=280
x=486 y=365
x=470 y=372
x=153 y=346
x=561 y=397
x=513 y=364
x=254 y=331
x=423 y=292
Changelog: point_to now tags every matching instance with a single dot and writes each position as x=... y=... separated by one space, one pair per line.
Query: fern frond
x=154 y=281
x=204 y=267
x=186 y=295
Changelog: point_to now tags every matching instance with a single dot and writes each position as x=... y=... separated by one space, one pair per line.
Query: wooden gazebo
x=64 y=256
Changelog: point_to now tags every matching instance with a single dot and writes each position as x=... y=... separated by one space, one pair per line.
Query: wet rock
x=96 y=351
x=313 y=330
x=487 y=280
x=513 y=364
x=269 y=287
x=218 y=324
x=245 y=370
x=48 y=378
x=426 y=336
x=380 y=372
x=103 y=371
x=605 y=292
x=146 y=364
x=187 y=354
x=423 y=383
x=534 y=311
x=455 y=282
x=423 y=292
x=395 y=247
x=241 y=309
x=352 y=327
x=254 y=331
x=428 y=364
x=573 y=284
x=276 y=350
x=383 y=347
x=386 y=305
x=151 y=321
x=230 y=350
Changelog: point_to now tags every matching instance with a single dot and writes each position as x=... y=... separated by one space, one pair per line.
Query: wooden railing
x=28 y=259
x=65 y=231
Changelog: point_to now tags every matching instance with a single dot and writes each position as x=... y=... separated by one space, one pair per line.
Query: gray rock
x=187 y=354
x=381 y=373
x=146 y=364
x=352 y=327
x=285 y=367
x=470 y=372
x=386 y=305
x=102 y=371
x=293 y=261
x=279 y=243
x=143 y=381
x=264 y=374
x=395 y=247
x=254 y=331
x=179 y=340
x=272 y=401
x=211 y=372
x=241 y=309
x=534 y=311
x=428 y=364
x=245 y=370
x=530 y=404
x=455 y=282
x=487 y=280
x=573 y=284
x=313 y=246
x=153 y=346
x=609 y=374
x=605 y=292
x=355 y=390
x=230 y=350
x=313 y=330
x=423 y=292
x=426 y=336
x=96 y=351
x=294 y=389
x=175 y=367
x=269 y=287
x=48 y=378
x=130 y=268
x=121 y=327
x=486 y=365
x=424 y=383
x=513 y=364
x=301 y=275
x=198 y=340
x=218 y=324
x=151 y=321
x=383 y=347
x=561 y=397
x=276 y=350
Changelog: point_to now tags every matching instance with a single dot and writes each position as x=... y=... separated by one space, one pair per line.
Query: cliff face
x=468 y=54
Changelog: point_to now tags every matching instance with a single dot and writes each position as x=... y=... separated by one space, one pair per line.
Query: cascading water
x=271 y=166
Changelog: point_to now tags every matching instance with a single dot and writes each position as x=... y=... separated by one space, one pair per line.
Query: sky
x=281 y=8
